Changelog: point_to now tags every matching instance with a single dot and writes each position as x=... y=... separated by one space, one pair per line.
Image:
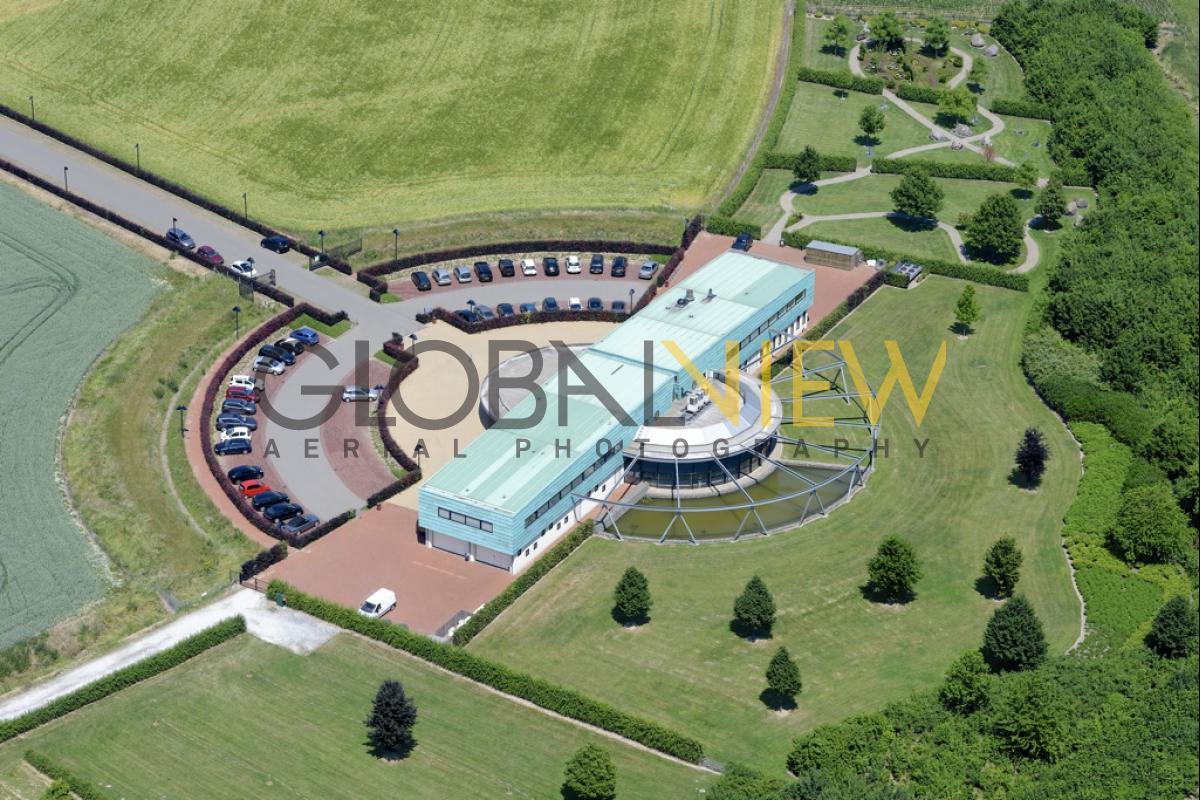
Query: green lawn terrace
x=212 y=728
x=827 y=119
x=951 y=500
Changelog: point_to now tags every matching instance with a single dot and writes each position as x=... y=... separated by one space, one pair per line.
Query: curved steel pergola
x=852 y=474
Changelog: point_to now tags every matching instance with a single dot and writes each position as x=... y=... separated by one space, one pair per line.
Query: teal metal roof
x=491 y=471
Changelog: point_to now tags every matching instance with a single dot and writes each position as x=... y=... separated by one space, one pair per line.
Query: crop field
x=211 y=728
x=355 y=115
x=687 y=668
x=66 y=291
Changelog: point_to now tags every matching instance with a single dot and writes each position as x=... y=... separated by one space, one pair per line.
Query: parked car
x=253 y=487
x=357 y=394
x=268 y=365
x=268 y=499
x=441 y=276
x=485 y=312
x=528 y=267
x=234 y=447
x=276 y=243
x=235 y=433
x=595 y=304
x=243 y=380
x=226 y=421
x=549 y=304
x=504 y=310
x=550 y=265
x=468 y=314
x=528 y=308
x=306 y=335
x=462 y=274
x=241 y=393
x=244 y=268
x=281 y=511
x=209 y=255
x=177 y=237
x=618 y=266
x=233 y=405
x=246 y=472
x=647 y=270
x=596 y=267
x=379 y=603
x=743 y=242
x=293 y=346
x=574 y=304
x=618 y=306
x=299 y=524
x=483 y=272
x=573 y=267
x=277 y=353
x=506 y=267
x=421 y=281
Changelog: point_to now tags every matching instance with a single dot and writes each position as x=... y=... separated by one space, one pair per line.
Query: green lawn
x=252 y=720
x=821 y=118
x=1004 y=79
x=893 y=235
x=371 y=114
x=1025 y=140
x=817 y=54
x=688 y=669
x=762 y=206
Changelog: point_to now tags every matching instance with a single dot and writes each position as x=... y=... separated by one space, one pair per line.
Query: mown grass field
x=821 y=118
x=373 y=113
x=891 y=234
x=212 y=728
x=66 y=291
x=687 y=668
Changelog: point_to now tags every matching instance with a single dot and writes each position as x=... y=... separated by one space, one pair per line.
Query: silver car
x=441 y=276
x=462 y=274
x=359 y=394
x=267 y=364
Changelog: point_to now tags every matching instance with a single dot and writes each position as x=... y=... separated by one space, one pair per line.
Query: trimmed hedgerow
x=538 y=570
x=828 y=163
x=1081 y=401
x=728 y=226
x=917 y=93
x=57 y=772
x=976 y=273
x=1020 y=107
x=839 y=79
x=124 y=678
x=945 y=169
x=264 y=559
x=542 y=693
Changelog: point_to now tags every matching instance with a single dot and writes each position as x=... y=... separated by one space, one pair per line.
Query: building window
x=463 y=519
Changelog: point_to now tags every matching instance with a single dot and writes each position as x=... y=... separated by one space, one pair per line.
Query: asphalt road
x=307 y=474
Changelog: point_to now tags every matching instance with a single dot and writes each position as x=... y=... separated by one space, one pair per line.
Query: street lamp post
x=66 y=186
x=396 y=244
x=32 y=114
x=182 y=409
x=322 y=235
x=631 y=293
x=245 y=208
x=237 y=327
x=174 y=223
x=137 y=150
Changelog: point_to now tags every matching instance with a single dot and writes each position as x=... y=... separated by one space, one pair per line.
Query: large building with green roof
x=527 y=479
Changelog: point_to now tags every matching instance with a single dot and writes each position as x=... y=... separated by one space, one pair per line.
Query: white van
x=574 y=304
x=379 y=603
x=242 y=380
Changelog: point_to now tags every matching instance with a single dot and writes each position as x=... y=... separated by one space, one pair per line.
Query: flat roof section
x=830 y=247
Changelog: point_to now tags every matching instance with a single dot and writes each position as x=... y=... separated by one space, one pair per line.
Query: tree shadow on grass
x=960 y=329
x=987 y=587
x=629 y=622
x=748 y=633
x=398 y=754
x=911 y=224
x=863 y=140
x=1019 y=193
x=802 y=188
x=873 y=595
x=1020 y=480
x=776 y=701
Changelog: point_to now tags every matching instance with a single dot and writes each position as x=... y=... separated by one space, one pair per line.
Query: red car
x=253 y=487
x=209 y=255
x=242 y=393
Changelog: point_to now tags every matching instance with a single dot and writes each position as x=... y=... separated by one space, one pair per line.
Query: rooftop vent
x=711 y=294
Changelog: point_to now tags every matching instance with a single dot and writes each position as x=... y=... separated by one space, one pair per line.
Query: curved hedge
x=1020 y=107
x=840 y=79
x=542 y=693
x=945 y=169
x=124 y=678
x=538 y=570
x=57 y=772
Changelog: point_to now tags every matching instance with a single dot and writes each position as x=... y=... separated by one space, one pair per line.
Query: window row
x=778 y=315
x=463 y=519
x=573 y=485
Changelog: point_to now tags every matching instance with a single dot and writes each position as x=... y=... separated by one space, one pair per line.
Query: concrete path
x=951 y=231
x=297 y=632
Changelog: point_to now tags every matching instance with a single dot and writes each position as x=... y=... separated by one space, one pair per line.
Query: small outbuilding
x=977 y=40
x=828 y=254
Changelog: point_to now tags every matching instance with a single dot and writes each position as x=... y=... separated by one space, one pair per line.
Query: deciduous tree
x=807 y=167
x=839 y=33
x=965 y=687
x=937 y=35
x=871 y=121
x=888 y=30
x=1031 y=718
x=894 y=569
x=966 y=310
x=996 y=230
x=1150 y=527
x=1051 y=203
x=1174 y=631
x=958 y=103
x=918 y=196
x=590 y=775
x=1003 y=565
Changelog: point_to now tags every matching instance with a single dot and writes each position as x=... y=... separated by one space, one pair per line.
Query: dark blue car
x=549 y=304
x=236 y=421
x=528 y=308
x=267 y=499
x=277 y=353
x=281 y=511
x=236 y=405
x=306 y=335
x=234 y=447
x=504 y=310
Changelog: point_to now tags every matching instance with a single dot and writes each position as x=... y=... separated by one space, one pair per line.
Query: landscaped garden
x=687 y=667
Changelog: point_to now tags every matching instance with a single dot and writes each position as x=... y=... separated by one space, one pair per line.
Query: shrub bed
x=166 y=185
x=977 y=273
x=265 y=558
x=945 y=169
x=1020 y=107
x=124 y=678
x=559 y=699
x=538 y=570
x=57 y=772
x=266 y=290
x=253 y=340
x=841 y=80
x=1082 y=401
x=855 y=299
x=778 y=160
